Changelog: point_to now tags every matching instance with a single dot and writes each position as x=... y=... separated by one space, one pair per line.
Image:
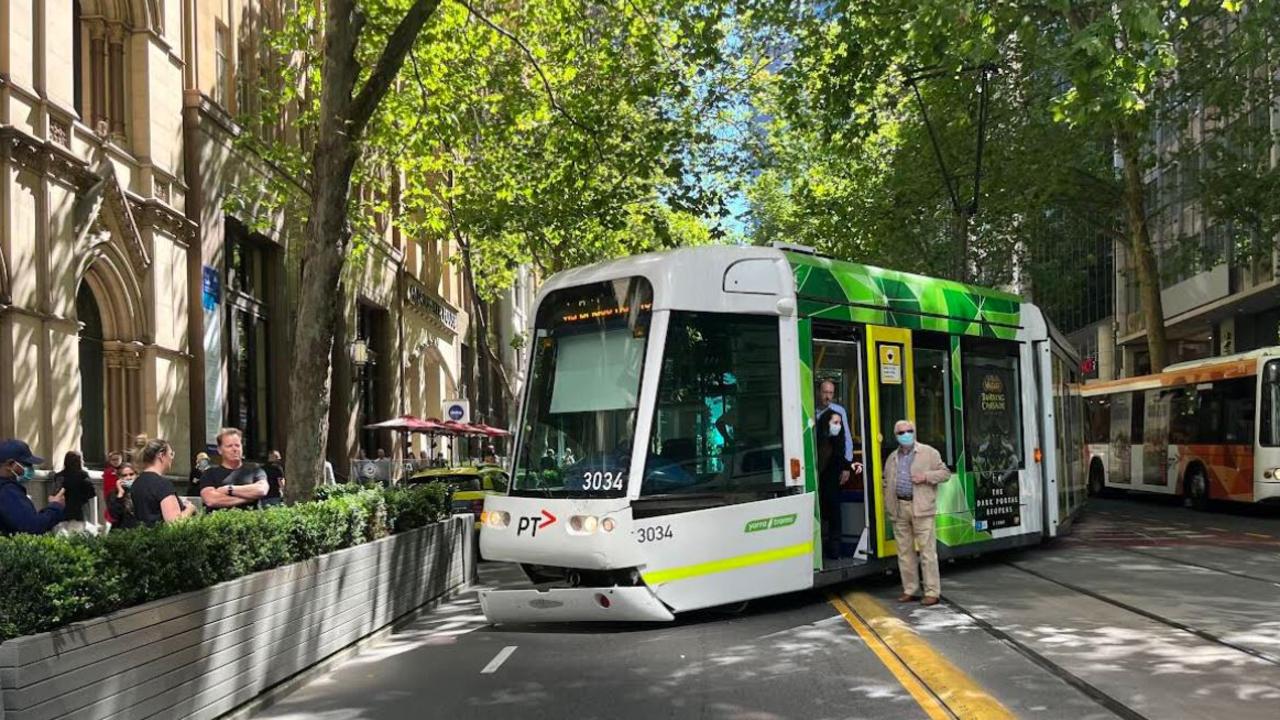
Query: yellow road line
x=1258 y=535
x=930 y=704
x=960 y=694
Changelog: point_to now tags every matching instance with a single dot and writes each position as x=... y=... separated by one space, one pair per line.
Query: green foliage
x=847 y=161
x=50 y=581
x=549 y=133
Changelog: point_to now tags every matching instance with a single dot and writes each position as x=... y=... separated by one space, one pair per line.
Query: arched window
x=92 y=389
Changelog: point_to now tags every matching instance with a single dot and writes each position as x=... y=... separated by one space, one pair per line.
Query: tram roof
x=1192 y=372
x=824 y=288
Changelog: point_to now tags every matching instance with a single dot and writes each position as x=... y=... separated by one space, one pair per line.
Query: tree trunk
x=324 y=254
x=1144 y=257
x=344 y=114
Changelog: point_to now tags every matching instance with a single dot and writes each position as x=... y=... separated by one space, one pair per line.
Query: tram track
x=1094 y=693
x=1183 y=627
x=1178 y=561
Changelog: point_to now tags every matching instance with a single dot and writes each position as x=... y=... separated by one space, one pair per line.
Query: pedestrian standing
x=120 y=502
x=197 y=472
x=275 y=480
x=17 y=513
x=74 y=482
x=110 y=476
x=234 y=483
x=155 y=499
x=910 y=482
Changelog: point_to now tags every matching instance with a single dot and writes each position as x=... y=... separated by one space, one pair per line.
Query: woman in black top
x=155 y=499
x=75 y=481
x=829 y=433
x=120 y=502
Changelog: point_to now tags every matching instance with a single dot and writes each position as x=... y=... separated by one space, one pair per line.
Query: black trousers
x=829 y=507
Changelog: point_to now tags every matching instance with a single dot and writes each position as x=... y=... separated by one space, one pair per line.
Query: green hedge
x=48 y=581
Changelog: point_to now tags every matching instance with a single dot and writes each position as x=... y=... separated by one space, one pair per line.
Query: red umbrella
x=455 y=427
x=405 y=423
x=491 y=431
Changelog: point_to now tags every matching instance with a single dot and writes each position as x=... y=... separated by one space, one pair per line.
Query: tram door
x=890 y=398
x=839 y=361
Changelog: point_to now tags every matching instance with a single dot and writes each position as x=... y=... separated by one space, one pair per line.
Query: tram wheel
x=1197 y=489
x=737 y=608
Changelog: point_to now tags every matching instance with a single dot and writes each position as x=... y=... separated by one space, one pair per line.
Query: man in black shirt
x=233 y=484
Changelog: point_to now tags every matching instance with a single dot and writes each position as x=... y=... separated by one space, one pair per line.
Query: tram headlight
x=496 y=519
x=608 y=524
x=583 y=524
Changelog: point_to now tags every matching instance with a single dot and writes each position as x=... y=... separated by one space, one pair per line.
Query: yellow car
x=470 y=485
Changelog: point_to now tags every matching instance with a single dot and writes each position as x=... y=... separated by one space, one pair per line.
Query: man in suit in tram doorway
x=910 y=482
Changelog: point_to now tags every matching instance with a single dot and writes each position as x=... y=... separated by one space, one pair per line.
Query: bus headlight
x=496 y=519
x=608 y=524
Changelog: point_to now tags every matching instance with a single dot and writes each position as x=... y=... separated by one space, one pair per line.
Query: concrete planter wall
x=202 y=654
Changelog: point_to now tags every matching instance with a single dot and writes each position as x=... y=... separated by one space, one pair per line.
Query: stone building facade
x=94 y=238
x=135 y=296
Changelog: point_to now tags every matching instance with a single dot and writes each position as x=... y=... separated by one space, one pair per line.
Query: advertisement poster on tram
x=993 y=434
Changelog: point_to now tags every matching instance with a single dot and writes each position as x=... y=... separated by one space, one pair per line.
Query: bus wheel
x=1197 y=488
x=1095 y=480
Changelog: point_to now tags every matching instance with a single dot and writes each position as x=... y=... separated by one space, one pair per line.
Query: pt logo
x=530 y=523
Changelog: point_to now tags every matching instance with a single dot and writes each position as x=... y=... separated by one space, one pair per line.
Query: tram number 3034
x=604 y=480
x=653 y=533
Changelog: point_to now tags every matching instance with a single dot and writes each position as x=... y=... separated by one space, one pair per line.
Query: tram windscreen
x=584 y=388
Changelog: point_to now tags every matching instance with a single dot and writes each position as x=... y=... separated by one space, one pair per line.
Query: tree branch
x=546 y=84
x=389 y=64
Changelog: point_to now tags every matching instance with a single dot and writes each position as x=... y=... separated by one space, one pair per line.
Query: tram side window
x=932 y=381
x=993 y=405
x=717 y=426
x=1270 y=436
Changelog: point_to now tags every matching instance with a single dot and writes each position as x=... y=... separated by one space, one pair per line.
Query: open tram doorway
x=839 y=403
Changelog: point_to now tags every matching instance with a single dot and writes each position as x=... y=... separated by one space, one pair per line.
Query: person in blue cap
x=17 y=513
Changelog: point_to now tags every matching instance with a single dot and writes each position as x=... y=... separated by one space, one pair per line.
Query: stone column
x=97 y=74
x=117 y=80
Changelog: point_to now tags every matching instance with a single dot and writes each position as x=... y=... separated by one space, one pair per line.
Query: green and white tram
x=666 y=455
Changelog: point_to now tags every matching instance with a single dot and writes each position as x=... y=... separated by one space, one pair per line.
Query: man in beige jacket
x=910 y=481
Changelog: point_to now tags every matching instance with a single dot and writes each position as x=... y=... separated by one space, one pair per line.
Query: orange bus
x=1203 y=430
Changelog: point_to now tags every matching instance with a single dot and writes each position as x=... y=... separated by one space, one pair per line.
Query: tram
x=666 y=457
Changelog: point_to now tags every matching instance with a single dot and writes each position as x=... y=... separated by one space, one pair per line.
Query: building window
x=371 y=329
x=77 y=60
x=248 y=350
x=221 y=63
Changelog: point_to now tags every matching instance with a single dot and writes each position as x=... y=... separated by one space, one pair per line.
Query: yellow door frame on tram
x=889 y=361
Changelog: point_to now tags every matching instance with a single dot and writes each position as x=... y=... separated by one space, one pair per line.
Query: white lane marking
x=498 y=659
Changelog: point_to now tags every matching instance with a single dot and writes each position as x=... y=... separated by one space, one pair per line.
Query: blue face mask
x=28 y=473
x=906 y=439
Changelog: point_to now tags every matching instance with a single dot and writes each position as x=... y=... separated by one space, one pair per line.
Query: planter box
x=202 y=654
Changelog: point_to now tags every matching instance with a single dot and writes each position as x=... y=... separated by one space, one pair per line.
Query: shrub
x=49 y=581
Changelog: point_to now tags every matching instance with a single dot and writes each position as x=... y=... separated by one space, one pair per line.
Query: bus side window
x=1238 y=407
x=1137 y=417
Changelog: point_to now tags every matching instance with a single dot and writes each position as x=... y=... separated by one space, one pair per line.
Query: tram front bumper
x=611 y=604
